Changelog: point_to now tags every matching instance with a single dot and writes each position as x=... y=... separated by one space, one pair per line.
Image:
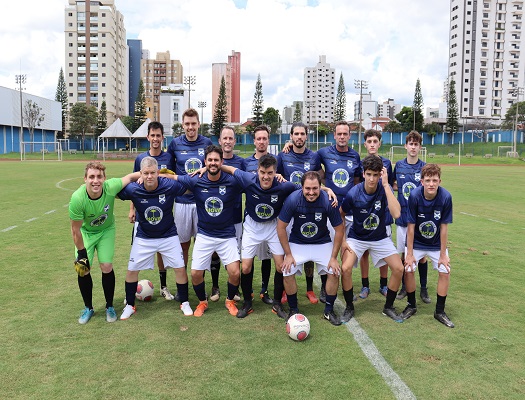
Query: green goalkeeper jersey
x=96 y=214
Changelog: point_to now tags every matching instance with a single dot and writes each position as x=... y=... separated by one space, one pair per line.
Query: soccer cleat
x=176 y=297
x=245 y=310
x=203 y=306
x=277 y=308
x=423 y=293
x=215 y=294
x=444 y=319
x=332 y=318
x=164 y=292
x=237 y=296
x=383 y=290
x=401 y=294
x=127 y=312
x=312 y=297
x=186 y=309
x=85 y=315
x=322 y=295
x=391 y=312
x=284 y=298
x=293 y=311
x=347 y=315
x=265 y=297
x=408 y=312
x=365 y=291
x=111 y=315
x=232 y=308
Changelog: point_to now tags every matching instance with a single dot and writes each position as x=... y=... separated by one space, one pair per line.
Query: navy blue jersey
x=428 y=215
x=340 y=167
x=154 y=209
x=251 y=164
x=237 y=162
x=215 y=202
x=293 y=165
x=309 y=218
x=369 y=211
x=408 y=177
x=263 y=205
x=187 y=158
x=163 y=159
x=388 y=165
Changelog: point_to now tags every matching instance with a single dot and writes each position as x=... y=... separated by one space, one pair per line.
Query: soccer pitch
x=159 y=353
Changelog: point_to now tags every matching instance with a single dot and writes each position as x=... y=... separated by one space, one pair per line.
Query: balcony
x=81 y=58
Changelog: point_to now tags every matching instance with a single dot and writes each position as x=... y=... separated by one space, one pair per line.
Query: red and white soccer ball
x=298 y=327
x=144 y=290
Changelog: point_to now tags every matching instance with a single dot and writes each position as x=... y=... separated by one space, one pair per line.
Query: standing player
x=342 y=170
x=310 y=240
x=429 y=213
x=156 y=139
x=156 y=232
x=368 y=202
x=407 y=175
x=292 y=165
x=93 y=228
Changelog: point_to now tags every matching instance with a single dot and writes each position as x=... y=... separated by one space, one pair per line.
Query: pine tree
x=417 y=107
x=452 y=126
x=297 y=117
x=219 y=115
x=258 y=103
x=140 y=106
x=340 y=101
x=61 y=96
x=102 y=121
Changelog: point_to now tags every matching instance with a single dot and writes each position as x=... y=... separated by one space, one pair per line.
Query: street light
x=21 y=79
x=517 y=92
x=189 y=80
x=202 y=106
x=360 y=84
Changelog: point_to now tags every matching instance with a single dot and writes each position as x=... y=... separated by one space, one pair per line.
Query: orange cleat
x=311 y=297
x=203 y=306
x=232 y=308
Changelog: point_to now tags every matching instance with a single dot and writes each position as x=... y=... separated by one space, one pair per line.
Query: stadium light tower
x=202 y=106
x=189 y=80
x=517 y=92
x=21 y=80
x=360 y=84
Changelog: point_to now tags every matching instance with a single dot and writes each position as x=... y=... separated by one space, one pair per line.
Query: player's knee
x=106 y=267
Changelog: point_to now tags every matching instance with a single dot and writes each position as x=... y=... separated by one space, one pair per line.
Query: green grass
x=159 y=353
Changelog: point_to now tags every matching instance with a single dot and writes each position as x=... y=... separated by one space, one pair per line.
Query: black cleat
x=292 y=312
x=277 y=308
x=322 y=295
x=265 y=297
x=391 y=312
x=423 y=293
x=347 y=315
x=332 y=318
x=401 y=294
x=408 y=312
x=245 y=310
x=444 y=319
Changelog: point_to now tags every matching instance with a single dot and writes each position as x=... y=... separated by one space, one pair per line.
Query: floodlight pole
x=360 y=84
x=518 y=91
x=21 y=79
x=202 y=106
x=189 y=80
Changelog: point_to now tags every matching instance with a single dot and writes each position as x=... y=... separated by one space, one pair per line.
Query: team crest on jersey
x=295 y=177
x=153 y=215
x=437 y=215
x=307 y=166
x=201 y=152
x=371 y=223
x=274 y=198
x=309 y=229
x=213 y=206
x=377 y=205
x=162 y=198
x=106 y=208
x=192 y=164
x=340 y=177
x=318 y=216
x=349 y=163
x=100 y=220
x=222 y=190
x=417 y=176
x=264 y=211
x=428 y=229
x=407 y=188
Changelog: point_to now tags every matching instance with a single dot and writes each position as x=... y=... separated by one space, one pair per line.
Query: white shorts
x=186 y=221
x=378 y=250
x=401 y=237
x=318 y=253
x=434 y=257
x=260 y=236
x=205 y=246
x=349 y=220
x=143 y=252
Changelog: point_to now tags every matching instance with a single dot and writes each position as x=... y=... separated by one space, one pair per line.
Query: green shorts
x=103 y=242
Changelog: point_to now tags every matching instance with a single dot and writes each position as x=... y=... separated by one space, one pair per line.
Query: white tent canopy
x=117 y=130
x=142 y=131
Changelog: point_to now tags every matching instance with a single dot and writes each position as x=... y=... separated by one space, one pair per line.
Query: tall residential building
x=162 y=71
x=135 y=57
x=370 y=109
x=96 y=56
x=231 y=71
x=485 y=62
x=319 y=92
x=388 y=109
x=173 y=102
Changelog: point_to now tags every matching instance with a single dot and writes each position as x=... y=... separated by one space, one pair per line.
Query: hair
x=311 y=175
x=339 y=123
x=213 y=149
x=372 y=133
x=414 y=136
x=300 y=125
x=148 y=162
x=190 y=112
x=261 y=128
x=95 y=165
x=227 y=127
x=430 y=170
x=155 y=125
x=267 y=161
x=372 y=163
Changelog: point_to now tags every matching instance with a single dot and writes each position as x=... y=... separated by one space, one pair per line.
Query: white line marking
x=495 y=220
x=470 y=215
x=31 y=219
x=58 y=184
x=50 y=212
x=8 y=229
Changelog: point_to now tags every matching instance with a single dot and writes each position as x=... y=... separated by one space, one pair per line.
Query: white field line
x=59 y=184
x=31 y=219
x=470 y=215
x=9 y=228
x=50 y=212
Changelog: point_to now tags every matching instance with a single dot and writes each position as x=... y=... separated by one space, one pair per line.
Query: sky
x=389 y=44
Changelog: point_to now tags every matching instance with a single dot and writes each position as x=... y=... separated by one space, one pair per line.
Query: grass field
x=159 y=353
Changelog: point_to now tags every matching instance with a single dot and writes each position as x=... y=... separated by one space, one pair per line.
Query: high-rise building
x=388 y=109
x=319 y=92
x=231 y=71
x=162 y=71
x=135 y=57
x=485 y=61
x=96 y=56
x=369 y=108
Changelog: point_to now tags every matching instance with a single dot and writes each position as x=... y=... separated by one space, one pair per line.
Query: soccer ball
x=298 y=327
x=144 y=290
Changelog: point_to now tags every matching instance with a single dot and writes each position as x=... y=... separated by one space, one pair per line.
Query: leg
x=266 y=269
x=349 y=259
x=132 y=278
x=278 y=287
x=309 y=275
x=383 y=279
x=423 y=274
x=364 y=263
x=442 y=292
x=233 y=286
x=215 y=268
x=410 y=285
x=332 y=284
x=397 y=268
x=247 y=287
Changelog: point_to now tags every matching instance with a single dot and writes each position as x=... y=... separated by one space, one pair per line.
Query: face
x=413 y=148
x=298 y=137
x=260 y=140
x=191 y=127
x=342 y=136
x=155 y=138
x=266 y=176
x=311 y=190
x=372 y=145
x=94 y=180
x=430 y=185
x=227 y=140
x=149 y=175
x=371 y=179
x=213 y=163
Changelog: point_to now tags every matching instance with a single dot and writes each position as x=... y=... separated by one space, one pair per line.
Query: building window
x=70 y=84
x=481 y=111
x=70 y=34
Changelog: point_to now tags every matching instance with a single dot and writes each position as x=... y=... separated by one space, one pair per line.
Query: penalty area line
x=9 y=228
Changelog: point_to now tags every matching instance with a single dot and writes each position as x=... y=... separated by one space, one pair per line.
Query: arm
x=410 y=261
x=333 y=264
x=228 y=169
x=393 y=205
x=344 y=243
x=443 y=237
x=134 y=177
x=76 y=234
x=287 y=147
x=131 y=215
x=331 y=195
x=283 y=238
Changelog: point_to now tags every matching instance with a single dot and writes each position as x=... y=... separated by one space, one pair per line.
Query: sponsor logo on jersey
x=204 y=190
x=222 y=190
x=192 y=164
x=309 y=229
x=349 y=163
x=377 y=205
x=333 y=162
x=255 y=196
x=162 y=198
x=144 y=201
x=340 y=177
x=437 y=215
x=295 y=177
x=318 y=216
x=264 y=211
x=153 y=215
x=407 y=188
x=106 y=208
x=289 y=164
x=91 y=215
x=100 y=220
x=302 y=216
x=371 y=222
x=213 y=206
x=201 y=152
x=428 y=229
x=274 y=198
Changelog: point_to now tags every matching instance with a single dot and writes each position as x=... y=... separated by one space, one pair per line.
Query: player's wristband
x=82 y=253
